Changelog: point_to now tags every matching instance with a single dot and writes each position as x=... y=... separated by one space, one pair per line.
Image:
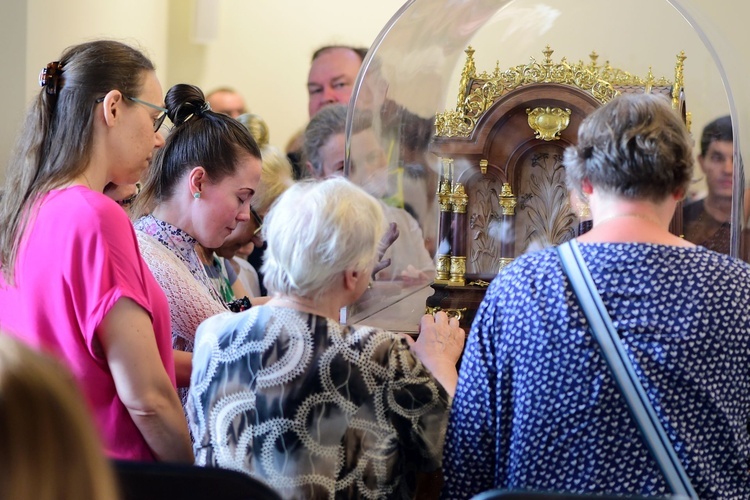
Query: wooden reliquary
x=502 y=185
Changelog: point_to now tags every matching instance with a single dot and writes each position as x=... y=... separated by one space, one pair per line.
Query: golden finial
x=469 y=72
x=649 y=81
x=459 y=199
x=679 y=82
x=593 y=56
x=548 y=55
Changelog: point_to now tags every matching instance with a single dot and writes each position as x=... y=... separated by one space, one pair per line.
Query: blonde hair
x=48 y=446
x=276 y=176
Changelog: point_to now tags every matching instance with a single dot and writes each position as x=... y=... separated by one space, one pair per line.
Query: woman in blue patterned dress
x=316 y=409
x=536 y=407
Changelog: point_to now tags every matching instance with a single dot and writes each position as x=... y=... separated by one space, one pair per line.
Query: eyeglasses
x=158 y=120
x=258 y=221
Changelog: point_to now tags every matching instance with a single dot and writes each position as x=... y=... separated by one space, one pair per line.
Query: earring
x=197 y=195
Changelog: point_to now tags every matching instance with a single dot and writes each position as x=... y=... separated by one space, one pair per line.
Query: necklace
x=649 y=218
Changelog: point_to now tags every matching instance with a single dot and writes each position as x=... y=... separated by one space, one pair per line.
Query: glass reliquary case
x=471 y=105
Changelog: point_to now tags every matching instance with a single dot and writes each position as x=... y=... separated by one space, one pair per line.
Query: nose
x=329 y=95
x=728 y=164
x=243 y=216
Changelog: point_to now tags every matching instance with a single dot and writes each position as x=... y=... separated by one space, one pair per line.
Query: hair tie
x=206 y=107
x=49 y=77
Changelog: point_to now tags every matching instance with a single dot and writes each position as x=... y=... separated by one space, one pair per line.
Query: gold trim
x=451 y=313
x=459 y=199
x=478 y=92
x=482 y=283
x=507 y=200
x=483 y=164
x=548 y=122
x=458 y=270
x=443 y=268
x=503 y=262
x=679 y=81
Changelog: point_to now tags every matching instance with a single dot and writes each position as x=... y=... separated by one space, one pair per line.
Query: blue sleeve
x=472 y=442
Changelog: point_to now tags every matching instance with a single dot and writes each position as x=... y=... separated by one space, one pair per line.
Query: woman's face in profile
x=223 y=205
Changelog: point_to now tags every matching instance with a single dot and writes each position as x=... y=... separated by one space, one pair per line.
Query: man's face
x=717 y=167
x=332 y=157
x=331 y=78
x=229 y=103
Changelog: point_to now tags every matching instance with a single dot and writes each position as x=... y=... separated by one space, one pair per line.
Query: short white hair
x=315 y=231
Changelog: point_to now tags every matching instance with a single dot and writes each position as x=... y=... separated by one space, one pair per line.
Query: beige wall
x=262 y=47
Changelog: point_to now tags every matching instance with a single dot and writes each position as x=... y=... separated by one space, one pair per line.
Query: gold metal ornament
x=548 y=122
x=458 y=270
x=507 y=200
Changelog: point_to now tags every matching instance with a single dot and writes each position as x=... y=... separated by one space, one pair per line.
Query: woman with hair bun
x=94 y=305
x=197 y=191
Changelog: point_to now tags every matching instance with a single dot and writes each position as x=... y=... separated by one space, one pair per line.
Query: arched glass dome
x=413 y=73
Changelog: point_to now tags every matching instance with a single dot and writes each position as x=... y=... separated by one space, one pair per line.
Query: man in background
x=706 y=222
x=332 y=74
x=228 y=101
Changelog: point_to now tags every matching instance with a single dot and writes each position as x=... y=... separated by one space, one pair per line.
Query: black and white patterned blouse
x=536 y=407
x=313 y=408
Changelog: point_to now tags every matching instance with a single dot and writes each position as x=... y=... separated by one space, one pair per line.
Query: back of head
x=56 y=142
x=200 y=137
x=718 y=130
x=317 y=230
x=48 y=449
x=276 y=176
x=636 y=146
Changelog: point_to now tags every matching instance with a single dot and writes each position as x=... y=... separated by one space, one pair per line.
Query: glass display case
x=457 y=104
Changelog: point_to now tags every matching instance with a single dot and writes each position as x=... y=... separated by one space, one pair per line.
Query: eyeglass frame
x=158 y=121
x=258 y=221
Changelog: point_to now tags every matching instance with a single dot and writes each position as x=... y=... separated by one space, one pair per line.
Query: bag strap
x=600 y=324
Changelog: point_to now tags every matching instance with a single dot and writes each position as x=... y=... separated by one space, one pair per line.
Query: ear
x=312 y=170
x=586 y=187
x=351 y=278
x=111 y=107
x=197 y=179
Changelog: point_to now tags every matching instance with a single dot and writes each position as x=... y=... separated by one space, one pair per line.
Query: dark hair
x=57 y=137
x=635 y=146
x=327 y=122
x=718 y=130
x=360 y=51
x=200 y=137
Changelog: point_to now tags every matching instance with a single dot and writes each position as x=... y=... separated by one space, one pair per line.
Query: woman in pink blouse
x=73 y=282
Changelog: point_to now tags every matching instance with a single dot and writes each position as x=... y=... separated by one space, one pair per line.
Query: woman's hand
x=438 y=346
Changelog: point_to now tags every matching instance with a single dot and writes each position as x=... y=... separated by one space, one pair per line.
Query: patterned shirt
x=536 y=407
x=313 y=408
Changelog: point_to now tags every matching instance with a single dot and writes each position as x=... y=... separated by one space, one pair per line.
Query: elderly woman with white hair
x=315 y=408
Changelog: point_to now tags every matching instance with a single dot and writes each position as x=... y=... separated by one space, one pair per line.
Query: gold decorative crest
x=478 y=92
x=548 y=122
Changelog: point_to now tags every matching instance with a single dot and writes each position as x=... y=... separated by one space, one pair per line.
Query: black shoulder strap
x=622 y=369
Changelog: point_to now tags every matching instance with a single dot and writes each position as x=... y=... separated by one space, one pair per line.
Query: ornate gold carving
x=548 y=122
x=689 y=120
x=458 y=270
x=503 y=262
x=459 y=199
x=477 y=93
x=679 y=79
x=443 y=268
x=451 y=313
x=444 y=186
x=482 y=283
x=507 y=200
x=483 y=164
